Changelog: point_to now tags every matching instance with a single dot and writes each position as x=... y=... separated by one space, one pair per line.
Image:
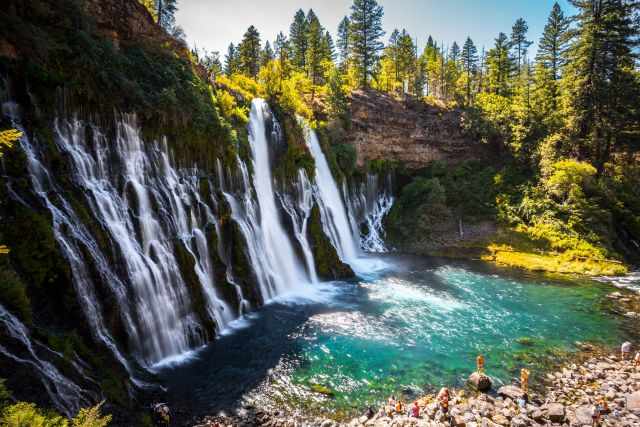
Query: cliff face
x=384 y=128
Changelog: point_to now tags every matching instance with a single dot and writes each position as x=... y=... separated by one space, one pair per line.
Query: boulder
x=500 y=419
x=511 y=391
x=480 y=381
x=555 y=412
x=583 y=415
x=633 y=402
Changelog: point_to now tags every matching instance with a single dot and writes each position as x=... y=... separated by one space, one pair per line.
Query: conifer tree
x=314 y=48
x=231 y=61
x=499 y=65
x=298 y=39
x=328 y=48
x=600 y=80
x=454 y=53
x=519 y=41
x=250 y=53
x=343 y=42
x=469 y=64
x=267 y=54
x=554 y=41
x=366 y=32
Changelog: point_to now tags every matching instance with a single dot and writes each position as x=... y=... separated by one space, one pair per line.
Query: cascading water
x=333 y=212
x=368 y=203
x=64 y=393
x=277 y=267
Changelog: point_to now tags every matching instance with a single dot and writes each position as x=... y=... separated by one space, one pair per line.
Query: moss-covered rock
x=328 y=264
x=187 y=263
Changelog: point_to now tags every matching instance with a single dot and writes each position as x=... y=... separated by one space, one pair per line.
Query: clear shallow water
x=403 y=330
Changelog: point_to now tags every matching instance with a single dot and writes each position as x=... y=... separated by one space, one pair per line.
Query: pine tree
x=250 y=52
x=267 y=54
x=554 y=41
x=600 y=80
x=519 y=41
x=454 y=53
x=328 y=48
x=231 y=61
x=366 y=32
x=499 y=65
x=298 y=39
x=344 y=41
x=469 y=64
x=406 y=59
x=314 y=48
x=392 y=53
x=282 y=51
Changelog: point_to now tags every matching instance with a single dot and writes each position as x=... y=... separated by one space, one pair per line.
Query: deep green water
x=405 y=330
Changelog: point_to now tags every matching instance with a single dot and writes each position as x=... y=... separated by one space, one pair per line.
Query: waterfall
x=277 y=267
x=368 y=203
x=64 y=394
x=299 y=210
x=334 y=216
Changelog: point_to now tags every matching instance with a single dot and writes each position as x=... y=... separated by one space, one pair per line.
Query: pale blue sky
x=213 y=24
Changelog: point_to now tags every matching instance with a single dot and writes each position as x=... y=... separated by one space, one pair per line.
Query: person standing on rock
x=636 y=359
x=595 y=415
x=524 y=381
x=625 y=350
x=480 y=364
x=415 y=410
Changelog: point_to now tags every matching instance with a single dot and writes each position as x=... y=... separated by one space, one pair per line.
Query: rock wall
x=414 y=134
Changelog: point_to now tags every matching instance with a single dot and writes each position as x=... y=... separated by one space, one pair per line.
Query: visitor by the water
x=480 y=364
x=370 y=413
x=636 y=359
x=625 y=350
x=399 y=407
x=415 y=410
x=392 y=401
x=595 y=415
x=443 y=400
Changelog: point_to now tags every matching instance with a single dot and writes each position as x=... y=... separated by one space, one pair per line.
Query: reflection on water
x=343 y=346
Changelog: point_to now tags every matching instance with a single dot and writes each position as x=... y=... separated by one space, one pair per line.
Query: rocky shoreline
x=569 y=397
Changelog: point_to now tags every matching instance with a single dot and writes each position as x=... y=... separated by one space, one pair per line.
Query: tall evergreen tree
x=344 y=41
x=267 y=54
x=392 y=53
x=454 y=53
x=250 y=53
x=602 y=85
x=554 y=41
x=328 y=47
x=366 y=32
x=519 y=41
x=314 y=48
x=499 y=66
x=469 y=64
x=231 y=61
x=282 y=51
x=298 y=39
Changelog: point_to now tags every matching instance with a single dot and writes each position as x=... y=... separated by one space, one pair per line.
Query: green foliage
x=91 y=417
x=346 y=157
x=13 y=295
x=23 y=414
x=249 y=52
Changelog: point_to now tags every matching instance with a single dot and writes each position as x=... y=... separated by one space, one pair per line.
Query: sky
x=213 y=24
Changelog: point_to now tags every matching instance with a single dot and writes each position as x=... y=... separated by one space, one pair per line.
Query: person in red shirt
x=415 y=410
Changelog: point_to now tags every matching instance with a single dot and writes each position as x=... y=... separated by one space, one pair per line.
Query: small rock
x=555 y=412
x=500 y=419
x=511 y=391
x=583 y=415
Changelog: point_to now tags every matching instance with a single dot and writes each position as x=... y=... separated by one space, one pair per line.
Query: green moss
x=186 y=263
x=13 y=295
x=296 y=155
x=328 y=264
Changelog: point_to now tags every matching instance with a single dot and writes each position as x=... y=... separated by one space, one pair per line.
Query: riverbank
x=570 y=396
x=563 y=397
